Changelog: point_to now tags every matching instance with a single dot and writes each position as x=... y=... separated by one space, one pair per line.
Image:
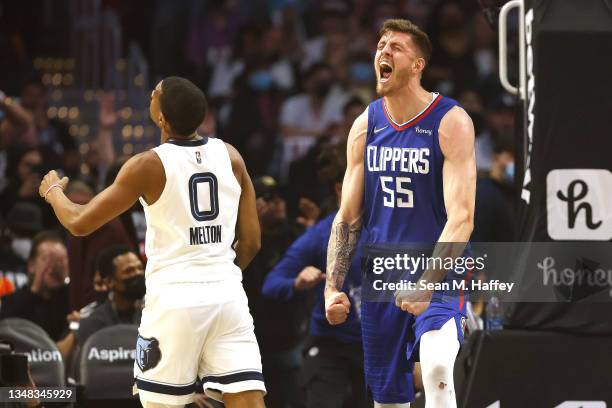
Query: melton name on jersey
x=191 y=227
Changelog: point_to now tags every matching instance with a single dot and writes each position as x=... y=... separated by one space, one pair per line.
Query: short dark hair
x=41 y=238
x=421 y=39
x=105 y=260
x=183 y=105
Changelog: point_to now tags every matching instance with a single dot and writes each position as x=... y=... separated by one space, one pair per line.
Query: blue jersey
x=403 y=204
x=404 y=200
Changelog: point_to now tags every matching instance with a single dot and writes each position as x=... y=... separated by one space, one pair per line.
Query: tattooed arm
x=342 y=243
x=346 y=227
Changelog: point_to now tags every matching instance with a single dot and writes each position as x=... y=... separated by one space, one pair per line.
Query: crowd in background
x=285 y=80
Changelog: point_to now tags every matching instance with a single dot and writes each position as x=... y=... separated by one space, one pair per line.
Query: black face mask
x=134 y=287
x=101 y=296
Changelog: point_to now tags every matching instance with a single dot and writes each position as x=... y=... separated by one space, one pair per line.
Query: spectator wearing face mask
x=123 y=273
x=45 y=300
x=100 y=287
x=23 y=222
x=494 y=219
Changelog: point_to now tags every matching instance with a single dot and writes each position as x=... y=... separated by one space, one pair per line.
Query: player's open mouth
x=385 y=71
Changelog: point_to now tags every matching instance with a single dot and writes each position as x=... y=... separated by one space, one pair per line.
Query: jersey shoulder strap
x=444 y=105
x=373 y=111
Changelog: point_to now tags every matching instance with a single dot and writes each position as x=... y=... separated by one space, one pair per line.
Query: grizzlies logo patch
x=148 y=353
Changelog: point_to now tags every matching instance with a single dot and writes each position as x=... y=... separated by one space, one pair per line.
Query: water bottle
x=495 y=314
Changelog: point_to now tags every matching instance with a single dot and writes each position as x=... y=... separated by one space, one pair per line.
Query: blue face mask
x=509 y=172
x=260 y=80
x=362 y=72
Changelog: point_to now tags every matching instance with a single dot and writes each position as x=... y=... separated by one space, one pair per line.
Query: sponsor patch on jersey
x=422 y=131
x=148 y=353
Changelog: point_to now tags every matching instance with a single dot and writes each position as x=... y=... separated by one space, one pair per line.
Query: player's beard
x=382 y=89
x=394 y=83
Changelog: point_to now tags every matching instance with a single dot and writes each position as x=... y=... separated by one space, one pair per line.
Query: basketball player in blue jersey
x=411 y=177
x=202 y=229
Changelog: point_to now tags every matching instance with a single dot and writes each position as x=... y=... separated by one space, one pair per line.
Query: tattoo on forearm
x=342 y=244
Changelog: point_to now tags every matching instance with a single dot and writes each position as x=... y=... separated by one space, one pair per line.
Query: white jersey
x=190 y=228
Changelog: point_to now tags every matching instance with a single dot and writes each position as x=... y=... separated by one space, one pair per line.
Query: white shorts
x=196 y=330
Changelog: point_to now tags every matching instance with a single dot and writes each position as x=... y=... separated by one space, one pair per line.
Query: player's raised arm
x=248 y=234
x=142 y=175
x=346 y=227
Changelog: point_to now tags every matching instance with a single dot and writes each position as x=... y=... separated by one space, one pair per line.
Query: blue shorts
x=391 y=344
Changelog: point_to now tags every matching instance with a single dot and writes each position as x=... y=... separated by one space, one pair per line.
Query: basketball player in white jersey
x=202 y=229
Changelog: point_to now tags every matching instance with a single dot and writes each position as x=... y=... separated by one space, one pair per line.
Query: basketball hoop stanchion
x=503 y=48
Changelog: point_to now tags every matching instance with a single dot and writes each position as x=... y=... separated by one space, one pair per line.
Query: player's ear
x=162 y=123
x=419 y=65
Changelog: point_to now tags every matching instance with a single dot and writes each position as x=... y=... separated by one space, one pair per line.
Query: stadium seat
x=106 y=366
x=45 y=359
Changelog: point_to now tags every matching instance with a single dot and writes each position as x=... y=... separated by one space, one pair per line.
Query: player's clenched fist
x=413 y=301
x=51 y=181
x=337 y=307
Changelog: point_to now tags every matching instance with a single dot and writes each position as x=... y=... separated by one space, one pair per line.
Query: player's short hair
x=105 y=260
x=420 y=38
x=183 y=105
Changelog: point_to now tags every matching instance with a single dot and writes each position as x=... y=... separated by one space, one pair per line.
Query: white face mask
x=21 y=247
